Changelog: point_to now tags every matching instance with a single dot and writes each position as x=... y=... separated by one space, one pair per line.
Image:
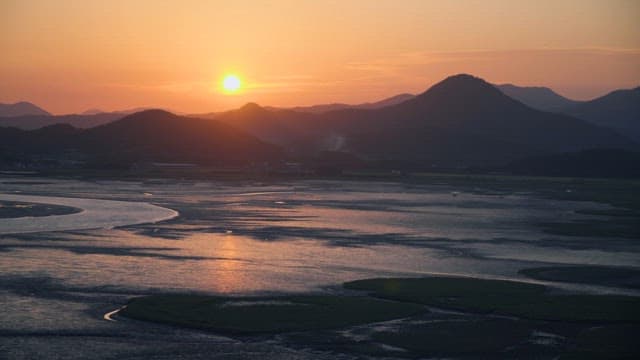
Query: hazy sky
x=69 y=56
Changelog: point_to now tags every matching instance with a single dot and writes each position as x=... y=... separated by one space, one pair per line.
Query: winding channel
x=95 y=214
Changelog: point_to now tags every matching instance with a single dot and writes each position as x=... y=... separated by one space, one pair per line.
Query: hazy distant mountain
x=87 y=119
x=92 y=112
x=464 y=120
x=461 y=121
x=148 y=136
x=541 y=98
x=156 y=135
x=588 y=163
x=20 y=109
x=30 y=122
x=17 y=146
x=619 y=110
x=96 y=111
x=318 y=109
x=291 y=129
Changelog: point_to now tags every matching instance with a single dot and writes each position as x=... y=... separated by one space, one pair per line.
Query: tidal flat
x=274 y=240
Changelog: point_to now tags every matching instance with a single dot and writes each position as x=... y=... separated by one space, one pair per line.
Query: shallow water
x=253 y=238
x=290 y=237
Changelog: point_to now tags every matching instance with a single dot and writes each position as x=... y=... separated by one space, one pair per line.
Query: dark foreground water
x=253 y=238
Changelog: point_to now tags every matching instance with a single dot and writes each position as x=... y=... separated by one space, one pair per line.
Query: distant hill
x=87 y=119
x=323 y=108
x=464 y=120
x=148 y=136
x=92 y=112
x=619 y=110
x=43 y=139
x=541 y=98
x=461 y=121
x=293 y=130
x=20 y=109
x=120 y=112
x=156 y=135
x=587 y=163
x=36 y=146
x=31 y=122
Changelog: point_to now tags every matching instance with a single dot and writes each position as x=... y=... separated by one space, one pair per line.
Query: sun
x=231 y=83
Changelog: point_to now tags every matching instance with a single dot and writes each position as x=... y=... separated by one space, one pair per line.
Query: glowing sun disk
x=231 y=83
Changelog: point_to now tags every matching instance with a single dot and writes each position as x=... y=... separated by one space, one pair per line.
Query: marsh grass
x=477 y=338
x=502 y=297
x=587 y=274
x=570 y=326
x=265 y=315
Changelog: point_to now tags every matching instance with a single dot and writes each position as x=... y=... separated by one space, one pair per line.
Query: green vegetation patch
x=502 y=297
x=264 y=315
x=597 y=275
x=477 y=338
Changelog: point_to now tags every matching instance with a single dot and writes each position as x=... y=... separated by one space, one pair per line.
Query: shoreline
x=94 y=214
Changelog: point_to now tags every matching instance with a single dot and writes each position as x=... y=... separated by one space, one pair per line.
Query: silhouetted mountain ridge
x=323 y=108
x=31 y=122
x=157 y=135
x=461 y=121
x=147 y=136
x=538 y=97
x=21 y=108
x=618 y=110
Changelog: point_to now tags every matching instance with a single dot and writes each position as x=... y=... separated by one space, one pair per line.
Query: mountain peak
x=142 y=118
x=251 y=109
x=462 y=85
x=463 y=81
x=461 y=90
x=21 y=108
x=251 y=106
x=151 y=113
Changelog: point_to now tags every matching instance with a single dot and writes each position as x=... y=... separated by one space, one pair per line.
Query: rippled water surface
x=287 y=237
x=251 y=238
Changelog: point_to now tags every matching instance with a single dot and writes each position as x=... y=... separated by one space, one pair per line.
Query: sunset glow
x=70 y=56
x=308 y=179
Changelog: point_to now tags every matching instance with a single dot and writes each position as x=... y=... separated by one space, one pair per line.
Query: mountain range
x=619 y=110
x=463 y=121
x=31 y=122
x=538 y=97
x=35 y=119
x=460 y=121
x=319 y=109
x=147 y=136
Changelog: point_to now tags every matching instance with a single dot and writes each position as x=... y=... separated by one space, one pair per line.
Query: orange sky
x=72 y=55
